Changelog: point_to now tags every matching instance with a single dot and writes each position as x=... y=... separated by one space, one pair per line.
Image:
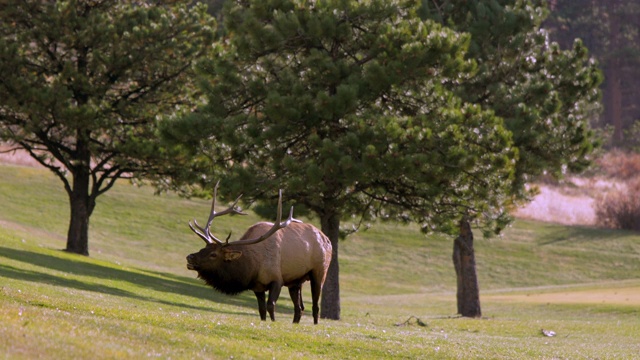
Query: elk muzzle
x=190 y=262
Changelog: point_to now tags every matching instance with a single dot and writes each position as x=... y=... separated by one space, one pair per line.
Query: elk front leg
x=262 y=306
x=274 y=293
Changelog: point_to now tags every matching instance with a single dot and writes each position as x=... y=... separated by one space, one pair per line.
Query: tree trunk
x=613 y=95
x=330 y=305
x=464 y=261
x=81 y=200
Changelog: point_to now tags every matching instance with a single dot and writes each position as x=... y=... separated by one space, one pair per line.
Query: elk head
x=217 y=251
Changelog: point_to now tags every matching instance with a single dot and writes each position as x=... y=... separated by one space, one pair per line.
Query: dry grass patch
x=609 y=295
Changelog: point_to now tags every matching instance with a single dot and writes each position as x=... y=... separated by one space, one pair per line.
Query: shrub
x=618 y=164
x=620 y=208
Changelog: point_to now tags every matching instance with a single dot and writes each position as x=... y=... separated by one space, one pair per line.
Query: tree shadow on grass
x=167 y=283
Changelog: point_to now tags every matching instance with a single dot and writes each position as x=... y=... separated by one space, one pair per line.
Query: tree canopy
x=83 y=84
x=546 y=95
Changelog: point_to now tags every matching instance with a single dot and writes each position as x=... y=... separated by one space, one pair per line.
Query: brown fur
x=291 y=256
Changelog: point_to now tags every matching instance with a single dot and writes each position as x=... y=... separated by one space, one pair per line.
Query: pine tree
x=545 y=95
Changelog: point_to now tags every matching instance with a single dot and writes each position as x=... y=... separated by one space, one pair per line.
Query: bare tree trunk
x=468 y=292
x=457 y=264
x=330 y=304
x=613 y=96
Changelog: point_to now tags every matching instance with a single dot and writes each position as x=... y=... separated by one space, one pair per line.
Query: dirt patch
x=615 y=296
x=554 y=205
x=569 y=203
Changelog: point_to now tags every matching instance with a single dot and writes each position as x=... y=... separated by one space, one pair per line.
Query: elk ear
x=230 y=255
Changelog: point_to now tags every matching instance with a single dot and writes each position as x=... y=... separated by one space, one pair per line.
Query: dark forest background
x=611 y=31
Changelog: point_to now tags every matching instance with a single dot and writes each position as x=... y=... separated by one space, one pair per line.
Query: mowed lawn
x=134 y=298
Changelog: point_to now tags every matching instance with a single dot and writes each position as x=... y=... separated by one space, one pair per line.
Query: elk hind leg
x=300 y=296
x=262 y=305
x=274 y=293
x=316 y=289
x=295 y=291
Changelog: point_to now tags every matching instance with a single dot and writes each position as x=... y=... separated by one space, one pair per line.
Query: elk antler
x=205 y=233
x=276 y=226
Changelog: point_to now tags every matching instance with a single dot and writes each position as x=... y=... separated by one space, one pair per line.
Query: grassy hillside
x=133 y=297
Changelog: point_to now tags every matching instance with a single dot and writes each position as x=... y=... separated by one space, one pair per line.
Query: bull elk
x=267 y=257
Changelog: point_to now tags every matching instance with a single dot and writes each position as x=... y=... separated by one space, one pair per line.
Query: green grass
x=134 y=298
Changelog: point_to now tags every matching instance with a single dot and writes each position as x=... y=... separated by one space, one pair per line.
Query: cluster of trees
x=436 y=113
x=611 y=30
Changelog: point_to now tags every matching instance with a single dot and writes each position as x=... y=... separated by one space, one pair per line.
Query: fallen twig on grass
x=408 y=322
